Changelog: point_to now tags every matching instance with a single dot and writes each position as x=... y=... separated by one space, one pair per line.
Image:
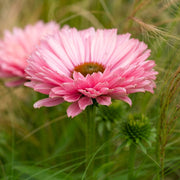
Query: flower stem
x=107 y=151
x=90 y=140
x=132 y=153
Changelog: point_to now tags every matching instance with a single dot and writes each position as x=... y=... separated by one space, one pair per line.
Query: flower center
x=89 y=68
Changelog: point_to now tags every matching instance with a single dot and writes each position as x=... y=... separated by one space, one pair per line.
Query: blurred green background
x=38 y=144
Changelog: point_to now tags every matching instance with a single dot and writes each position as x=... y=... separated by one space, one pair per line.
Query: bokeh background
x=38 y=144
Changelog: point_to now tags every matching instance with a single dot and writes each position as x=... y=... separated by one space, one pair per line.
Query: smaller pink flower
x=17 y=46
x=81 y=67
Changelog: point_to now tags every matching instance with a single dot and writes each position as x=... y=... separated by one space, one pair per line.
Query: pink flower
x=83 y=66
x=17 y=46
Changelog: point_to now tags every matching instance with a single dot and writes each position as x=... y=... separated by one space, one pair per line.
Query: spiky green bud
x=137 y=129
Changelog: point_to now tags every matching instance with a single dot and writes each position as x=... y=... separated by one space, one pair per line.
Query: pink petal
x=73 y=110
x=43 y=88
x=135 y=90
x=15 y=83
x=77 y=75
x=72 y=97
x=126 y=99
x=14 y=49
x=124 y=59
x=48 y=102
x=84 y=102
x=104 y=100
x=30 y=84
x=103 y=44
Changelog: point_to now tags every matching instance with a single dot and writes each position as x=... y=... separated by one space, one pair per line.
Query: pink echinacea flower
x=16 y=47
x=81 y=67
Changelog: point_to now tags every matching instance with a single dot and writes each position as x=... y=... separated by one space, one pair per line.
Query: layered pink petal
x=104 y=100
x=52 y=68
x=48 y=102
x=73 y=110
x=17 y=46
x=84 y=102
x=125 y=99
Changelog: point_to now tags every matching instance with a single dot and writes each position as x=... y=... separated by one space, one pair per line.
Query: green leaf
x=142 y=147
x=120 y=147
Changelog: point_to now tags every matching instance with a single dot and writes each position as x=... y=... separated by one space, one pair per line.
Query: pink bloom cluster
x=81 y=67
x=17 y=46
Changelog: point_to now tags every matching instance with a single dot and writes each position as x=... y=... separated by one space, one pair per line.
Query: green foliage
x=136 y=130
x=43 y=143
x=108 y=117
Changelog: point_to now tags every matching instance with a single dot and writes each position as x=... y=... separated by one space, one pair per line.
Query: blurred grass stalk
x=90 y=141
x=168 y=118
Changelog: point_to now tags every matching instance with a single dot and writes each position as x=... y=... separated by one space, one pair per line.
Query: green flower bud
x=137 y=130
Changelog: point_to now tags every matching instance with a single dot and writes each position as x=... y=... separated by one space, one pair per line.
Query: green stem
x=158 y=139
x=90 y=140
x=162 y=162
x=132 y=153
x=107 y=151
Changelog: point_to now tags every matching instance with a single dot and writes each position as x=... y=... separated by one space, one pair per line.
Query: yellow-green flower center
x=89 y=68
